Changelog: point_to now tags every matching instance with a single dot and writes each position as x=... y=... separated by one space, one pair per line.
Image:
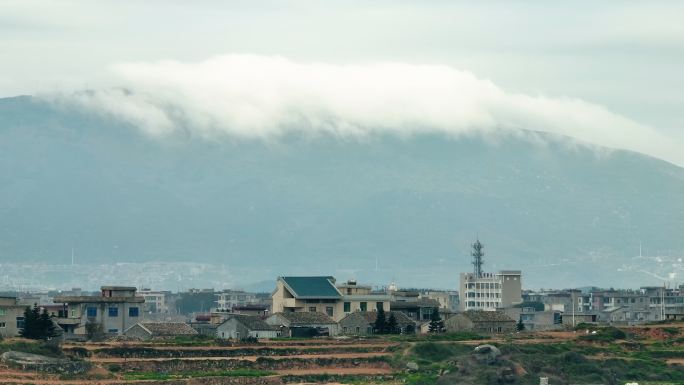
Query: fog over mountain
x=380 y=207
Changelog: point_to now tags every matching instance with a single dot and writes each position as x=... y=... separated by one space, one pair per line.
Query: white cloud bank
x=265 y=96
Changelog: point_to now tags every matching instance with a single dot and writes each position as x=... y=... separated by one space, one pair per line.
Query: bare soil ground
x=265 y=345
x=243 y=358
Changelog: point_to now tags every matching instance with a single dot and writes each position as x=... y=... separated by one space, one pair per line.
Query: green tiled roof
x=311 y=287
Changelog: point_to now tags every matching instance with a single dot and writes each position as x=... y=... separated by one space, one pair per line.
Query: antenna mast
x=477 y=258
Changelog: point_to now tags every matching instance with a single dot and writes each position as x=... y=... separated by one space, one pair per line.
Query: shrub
x=433 y=352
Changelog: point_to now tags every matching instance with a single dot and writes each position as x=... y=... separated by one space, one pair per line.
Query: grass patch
x=434 y=352
x=43 y=348
x=336 y=378
x=606 y=334
x=457 y=336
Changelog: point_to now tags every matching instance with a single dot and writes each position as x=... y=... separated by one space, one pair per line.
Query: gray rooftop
x=168 y=328
x=250 y=322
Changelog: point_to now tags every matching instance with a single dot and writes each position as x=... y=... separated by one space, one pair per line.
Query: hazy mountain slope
x=565 y=215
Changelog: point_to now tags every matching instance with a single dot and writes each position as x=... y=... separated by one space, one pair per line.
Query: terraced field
x=265 y=363
x=650 y=355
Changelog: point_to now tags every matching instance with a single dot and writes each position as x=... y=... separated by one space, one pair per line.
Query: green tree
x=45 y=326
x=392 y=326
x=520 y=326
x=436 y=323
x=37 y=326
x=380 y=321
x=94 y=331
x=30 y=320
x=32 y=327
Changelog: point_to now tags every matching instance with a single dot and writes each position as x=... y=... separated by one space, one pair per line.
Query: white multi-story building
x=228 y=299
x=490 y=291
x=155 y=301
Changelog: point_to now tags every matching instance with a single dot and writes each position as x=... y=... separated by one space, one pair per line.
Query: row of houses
x=305 y=306
x=596 y=305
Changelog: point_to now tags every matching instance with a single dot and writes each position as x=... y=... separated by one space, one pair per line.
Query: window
x=379 y=306
x=347 y=307
x=91 y=312
x=113 y=331
x=358 y=330
x=20 y=322
x=312 y=309
x=133 y=312
x=3 y=325
x=329 y=311
x=3 y=311
x=364 y=306
x=113 y=311
x=344 y=330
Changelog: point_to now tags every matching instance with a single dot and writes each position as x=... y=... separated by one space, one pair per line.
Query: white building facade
x=490 y=291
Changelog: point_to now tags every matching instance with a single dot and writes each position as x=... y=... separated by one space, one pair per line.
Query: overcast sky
x=624 y=59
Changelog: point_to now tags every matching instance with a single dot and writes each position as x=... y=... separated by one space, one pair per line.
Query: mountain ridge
x=304 y=205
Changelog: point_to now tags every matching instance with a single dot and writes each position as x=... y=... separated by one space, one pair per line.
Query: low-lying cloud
x=267 y=96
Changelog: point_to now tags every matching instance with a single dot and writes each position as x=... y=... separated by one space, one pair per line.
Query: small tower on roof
x=477 y=254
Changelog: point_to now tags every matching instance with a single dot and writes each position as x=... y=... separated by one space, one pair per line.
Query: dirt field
x=319 y=357
x=366 y=357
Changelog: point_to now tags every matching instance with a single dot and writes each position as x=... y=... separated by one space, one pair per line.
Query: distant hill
x=377 y=209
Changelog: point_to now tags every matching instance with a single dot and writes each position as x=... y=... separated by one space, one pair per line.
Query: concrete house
x=320 y=295
x=303 y=324
x=418 y=309
x=159 y=330
x=117 y=308
x=228 y=299
x=239 y=326
x=536 y=320
x=490 y=291
x=481 y=321
x=11 y=316
x=363 y=322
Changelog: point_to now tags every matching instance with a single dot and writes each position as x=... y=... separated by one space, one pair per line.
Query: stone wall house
x=363 y=323
x=239 y=326
x=159 y=330
x=481 y=321
x=294 y=324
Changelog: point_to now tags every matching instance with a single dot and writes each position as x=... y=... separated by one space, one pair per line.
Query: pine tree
x=392 y=326
x=380 y=321
x=436 y=323
x=47 y=327
x=520 y=326
x=29 y=329
x=37 y=326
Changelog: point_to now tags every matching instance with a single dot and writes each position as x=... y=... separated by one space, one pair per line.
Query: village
x=312 y=306
x=319 y=329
